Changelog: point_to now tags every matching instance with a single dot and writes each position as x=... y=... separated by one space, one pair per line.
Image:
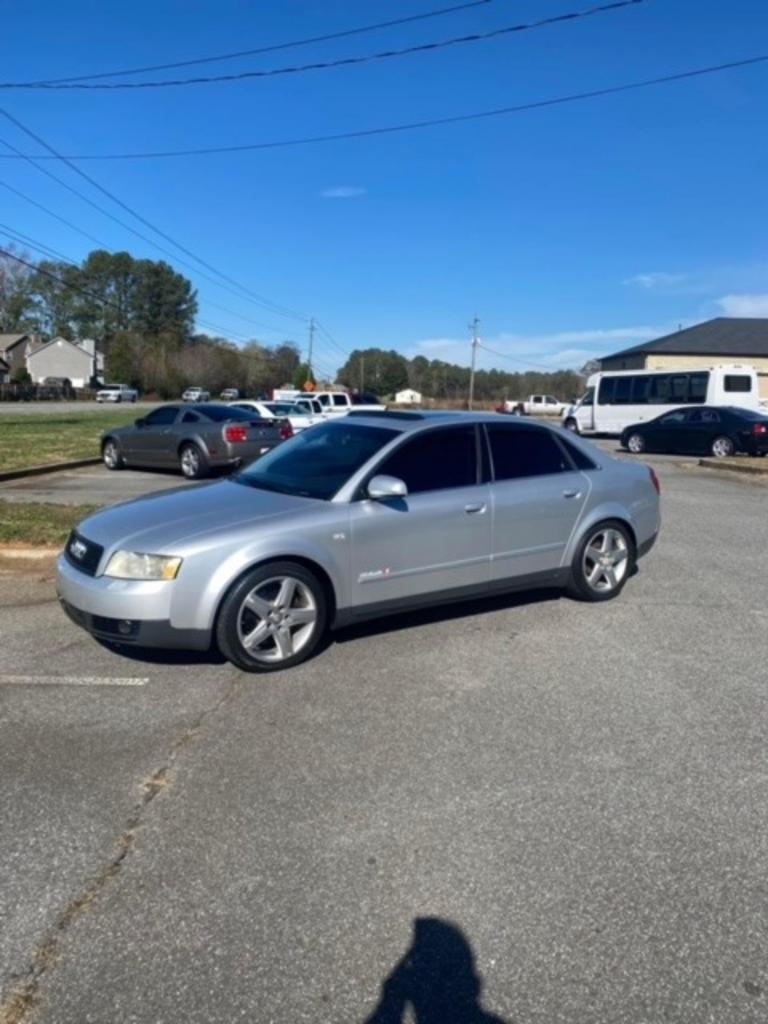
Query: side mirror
x=140 y=422
x=382 y=487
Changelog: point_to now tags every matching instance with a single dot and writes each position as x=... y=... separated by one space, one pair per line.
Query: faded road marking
x=71 y=681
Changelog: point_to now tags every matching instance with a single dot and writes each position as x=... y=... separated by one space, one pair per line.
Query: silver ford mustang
x=367 y=515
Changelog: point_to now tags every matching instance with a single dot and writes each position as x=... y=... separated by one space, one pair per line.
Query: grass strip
x=38 y=523
x=33 y=439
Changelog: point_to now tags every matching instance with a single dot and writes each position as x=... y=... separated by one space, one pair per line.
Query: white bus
x=616 y=399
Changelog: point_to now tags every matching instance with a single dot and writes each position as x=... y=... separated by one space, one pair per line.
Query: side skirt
x=379 y=609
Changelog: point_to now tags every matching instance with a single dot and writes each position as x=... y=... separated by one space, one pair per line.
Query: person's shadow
x=436 y=978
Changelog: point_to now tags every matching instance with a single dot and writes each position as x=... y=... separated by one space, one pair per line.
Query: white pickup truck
x=116 y=393
x=339 y=403
x=535 y=405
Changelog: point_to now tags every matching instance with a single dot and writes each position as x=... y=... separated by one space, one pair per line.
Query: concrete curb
x=734 y=467
x=29 y=552
x=54 y=467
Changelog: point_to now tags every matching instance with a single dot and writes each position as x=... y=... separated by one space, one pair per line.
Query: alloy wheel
x=277 y=619
x=636 y=444
x=111 y=455
x=722 y=447
x=190 y=461
x=605 y=560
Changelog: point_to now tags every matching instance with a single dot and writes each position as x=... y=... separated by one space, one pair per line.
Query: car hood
x=166 y=522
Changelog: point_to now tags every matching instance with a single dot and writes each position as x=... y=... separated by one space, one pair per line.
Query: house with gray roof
x=15 y=348
x=719 y=342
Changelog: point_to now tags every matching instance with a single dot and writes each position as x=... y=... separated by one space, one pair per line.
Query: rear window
x=220 y=413
x=737 y=382
x=580 y=459
x=525 y=451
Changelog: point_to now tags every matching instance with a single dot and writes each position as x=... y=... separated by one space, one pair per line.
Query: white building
x=408 y=397
x=78 y=361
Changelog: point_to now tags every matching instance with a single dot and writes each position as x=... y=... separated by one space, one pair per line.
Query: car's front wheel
x=111 y=456
x=571 y=424
x=192 y=462
x=636 y=443
x=273 y=618
x=603 y=562
x=722 y=447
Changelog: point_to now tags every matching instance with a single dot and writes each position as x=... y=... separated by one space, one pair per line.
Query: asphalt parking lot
x=576 y=793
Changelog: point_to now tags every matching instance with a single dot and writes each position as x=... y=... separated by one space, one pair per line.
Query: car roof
x=411 y=421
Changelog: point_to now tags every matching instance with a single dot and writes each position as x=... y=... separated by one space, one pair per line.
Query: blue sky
x=571 y=231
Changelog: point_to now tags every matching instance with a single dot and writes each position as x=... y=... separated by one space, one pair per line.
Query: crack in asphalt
x=20 y=1004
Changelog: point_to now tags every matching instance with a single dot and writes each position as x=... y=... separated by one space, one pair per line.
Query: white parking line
x=71 y=681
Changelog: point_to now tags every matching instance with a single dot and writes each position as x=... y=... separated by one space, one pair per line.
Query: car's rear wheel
x=110 y=453
x=603 y=562
x=273 y=618
x=192 y=462
x=636 y=443
x=722 y=447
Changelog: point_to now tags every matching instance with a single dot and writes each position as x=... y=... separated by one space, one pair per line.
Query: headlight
x=132 y=565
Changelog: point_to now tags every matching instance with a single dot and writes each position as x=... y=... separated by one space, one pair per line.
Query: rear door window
x=519 y=452
x=162 y=417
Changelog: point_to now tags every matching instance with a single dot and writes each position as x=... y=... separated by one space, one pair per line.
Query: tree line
x=387 y=372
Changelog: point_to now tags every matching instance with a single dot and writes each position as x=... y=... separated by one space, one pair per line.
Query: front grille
x=83 y=554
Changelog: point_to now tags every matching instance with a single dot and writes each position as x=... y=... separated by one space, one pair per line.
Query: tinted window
x=660 y=389
x=605 y=394
x=162 y=417
x=678 y=387
x=697 y=388
x=339 y=400
x=673 y=417
x=580 y=460
x=220 y=413
x=622 y=394
x=702 y=416
x=737 y=382
x=641 y=388
x=524 y=451
x=316 y=462
x=190 y=417
x=435 y=461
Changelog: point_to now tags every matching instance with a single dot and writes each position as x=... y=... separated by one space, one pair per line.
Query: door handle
x=571 y=494
x=474 y=507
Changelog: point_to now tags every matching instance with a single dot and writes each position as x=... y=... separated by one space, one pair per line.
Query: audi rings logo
x=77 y=549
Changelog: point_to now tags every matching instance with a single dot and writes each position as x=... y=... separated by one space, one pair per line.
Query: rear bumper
x=137 y=632
x=645 y=547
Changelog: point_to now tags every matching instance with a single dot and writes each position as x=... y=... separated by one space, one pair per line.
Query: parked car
x=196 y=395
x=358 y=517
x=116 y=393
x=194 y=441
x=229 y=395
x=298 y=416
x=701 y=430
x=312 y=405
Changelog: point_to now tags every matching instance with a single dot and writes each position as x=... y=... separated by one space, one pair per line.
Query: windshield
x=317 y=462
x=287 y=409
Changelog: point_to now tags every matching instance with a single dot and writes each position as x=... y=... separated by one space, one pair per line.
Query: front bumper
x=124 y=611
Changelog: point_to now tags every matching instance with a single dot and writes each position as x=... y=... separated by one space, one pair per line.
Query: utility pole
x=311 y=343
x=475 y=342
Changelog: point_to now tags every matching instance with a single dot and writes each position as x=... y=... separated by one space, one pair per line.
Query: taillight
x=236 y=433
x=654 y=479
x=286 y=430
x=759 y=429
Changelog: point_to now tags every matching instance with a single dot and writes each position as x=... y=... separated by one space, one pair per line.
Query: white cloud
x=344 y=192
x=746 y=304
x=527 y=351
x=659 y=279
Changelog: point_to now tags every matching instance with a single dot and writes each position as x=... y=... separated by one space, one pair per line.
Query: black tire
x=722 y=447
x=110 y=455
x=636 y=444
x=234 y=618
x=571 y=424
x=580 y=586
x=192 y=462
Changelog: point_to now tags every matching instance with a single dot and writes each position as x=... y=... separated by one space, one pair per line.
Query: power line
x=62 y=220
x=346 y=62
x=514 y=359
x=345 y=352
x=61 y=280
x=283 y=311
x=412 y=125
x=266 y=49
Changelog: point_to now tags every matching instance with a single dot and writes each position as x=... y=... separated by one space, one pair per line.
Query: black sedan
x=702 y=430
x=193 y=440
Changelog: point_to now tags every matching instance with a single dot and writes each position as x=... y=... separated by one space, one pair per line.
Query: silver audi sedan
x=367 y=515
